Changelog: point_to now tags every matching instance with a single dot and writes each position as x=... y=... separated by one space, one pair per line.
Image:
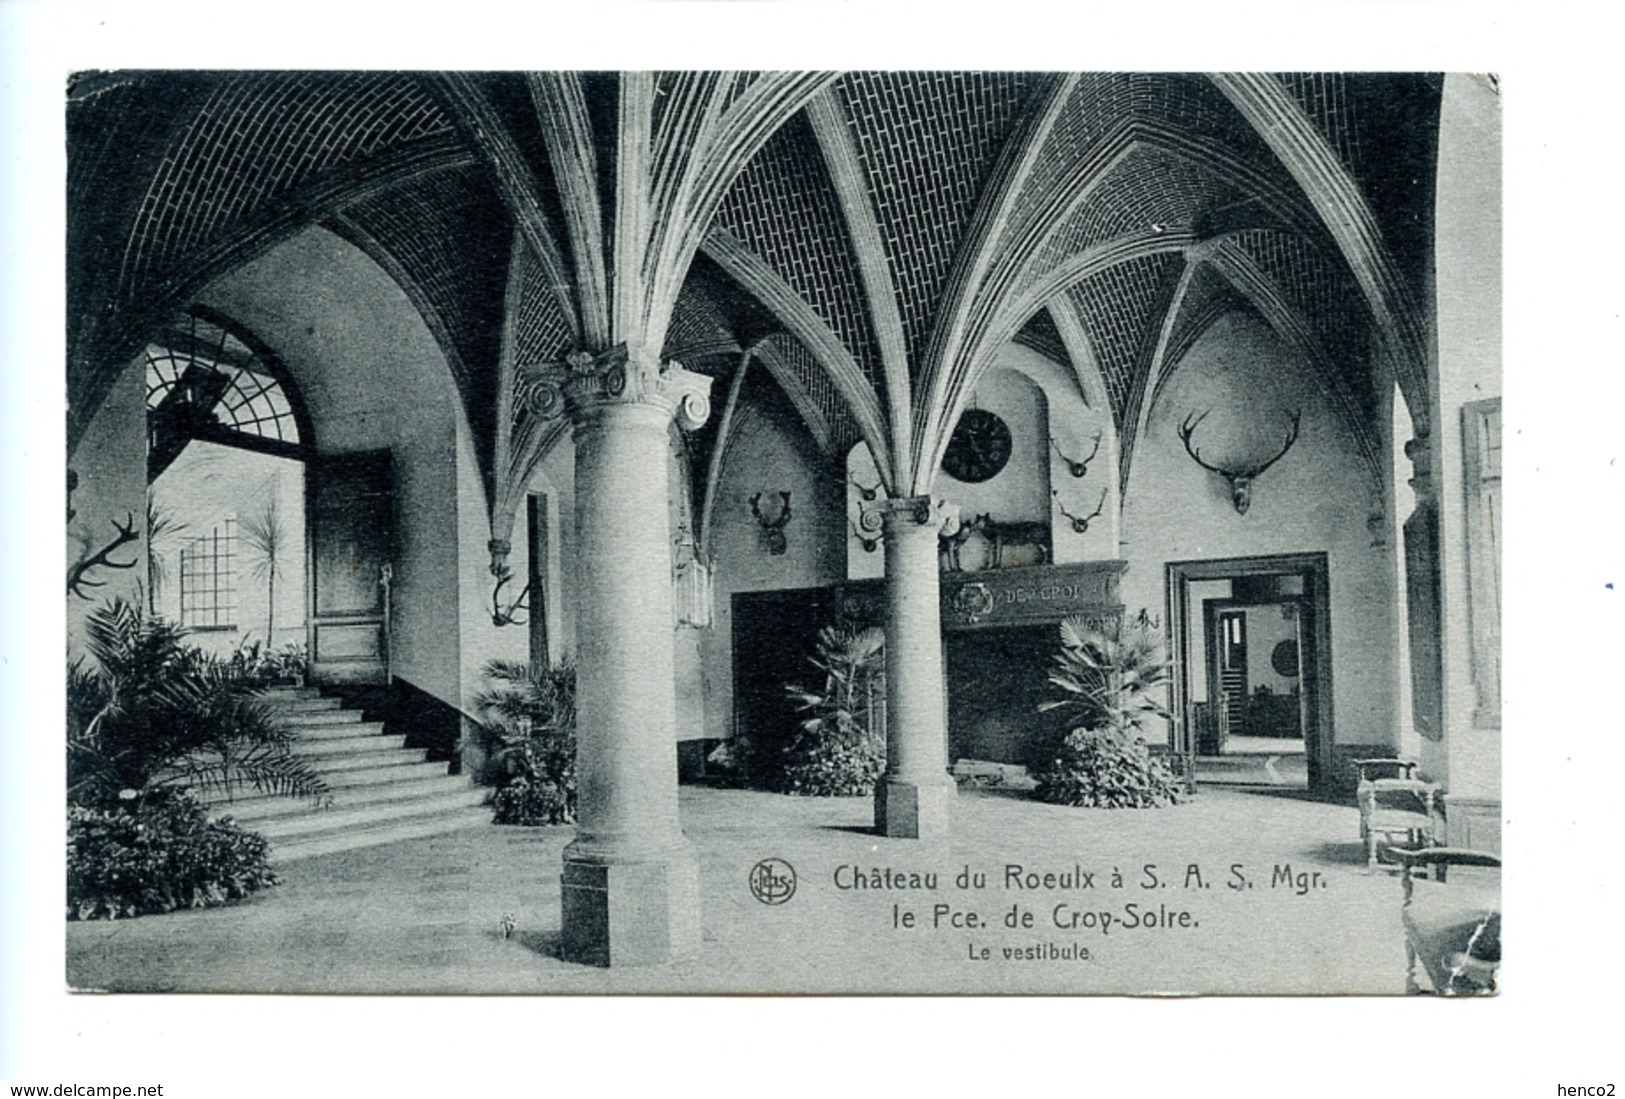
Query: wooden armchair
x=1394 y=802
x=1453 y=926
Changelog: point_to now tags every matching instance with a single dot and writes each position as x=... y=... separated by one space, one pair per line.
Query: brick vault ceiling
x=1079 y=194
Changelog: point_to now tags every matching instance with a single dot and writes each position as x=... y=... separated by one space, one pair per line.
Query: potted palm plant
x=529 y=717
x=1110 y=680
x=840 y=750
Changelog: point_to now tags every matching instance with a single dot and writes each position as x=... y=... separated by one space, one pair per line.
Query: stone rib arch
x=1273 y=113
x=808 y=328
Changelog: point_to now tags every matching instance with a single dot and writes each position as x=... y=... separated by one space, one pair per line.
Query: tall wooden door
x=352 y=537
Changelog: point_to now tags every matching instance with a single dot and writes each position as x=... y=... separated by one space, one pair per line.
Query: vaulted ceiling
x=870 y=239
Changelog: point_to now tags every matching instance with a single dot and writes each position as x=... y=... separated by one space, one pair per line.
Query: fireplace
x=999 y=640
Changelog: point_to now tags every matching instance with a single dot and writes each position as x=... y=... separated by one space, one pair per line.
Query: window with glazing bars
x=208 y=579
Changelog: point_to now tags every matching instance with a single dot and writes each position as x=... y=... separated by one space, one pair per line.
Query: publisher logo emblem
x=773 y=881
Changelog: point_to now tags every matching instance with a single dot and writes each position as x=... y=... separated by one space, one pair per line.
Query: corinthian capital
x=582 y=382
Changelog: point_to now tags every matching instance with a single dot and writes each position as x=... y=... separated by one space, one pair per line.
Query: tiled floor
x=426 y=915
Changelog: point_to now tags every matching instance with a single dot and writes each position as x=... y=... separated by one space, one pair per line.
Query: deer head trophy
x=1241 y=480
x=1079 y=469
x=773 y=529
x=1080 y=523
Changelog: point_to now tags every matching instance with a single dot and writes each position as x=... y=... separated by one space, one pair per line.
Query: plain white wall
x=1317 y=498
x=1467 y=291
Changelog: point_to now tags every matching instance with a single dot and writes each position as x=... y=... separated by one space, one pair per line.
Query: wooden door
x=352 y=537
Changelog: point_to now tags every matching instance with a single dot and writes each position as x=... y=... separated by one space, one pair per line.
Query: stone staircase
x=379 y=790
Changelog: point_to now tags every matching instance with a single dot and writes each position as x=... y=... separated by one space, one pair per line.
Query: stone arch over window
x=210 y=379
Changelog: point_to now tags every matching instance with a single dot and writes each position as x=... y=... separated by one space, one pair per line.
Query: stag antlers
x=1241 y=480
x=1079 y=469
x=509 y=615
x=1080 y=523
x=102 y=558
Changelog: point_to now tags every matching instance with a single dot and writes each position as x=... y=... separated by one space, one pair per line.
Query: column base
x=640 y=910
x=912 y=810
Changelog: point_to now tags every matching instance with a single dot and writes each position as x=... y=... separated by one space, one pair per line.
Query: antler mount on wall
x=1240 y=479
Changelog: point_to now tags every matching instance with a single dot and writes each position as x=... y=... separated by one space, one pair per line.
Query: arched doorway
x=227 y=443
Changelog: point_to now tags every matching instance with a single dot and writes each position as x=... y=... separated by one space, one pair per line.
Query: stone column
x=913 y=797
x=631 y=879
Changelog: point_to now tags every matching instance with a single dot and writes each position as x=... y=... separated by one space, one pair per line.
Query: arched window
x=206 y=381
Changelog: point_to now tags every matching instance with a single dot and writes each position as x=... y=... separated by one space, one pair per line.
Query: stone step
x=265 y=806
x=332 y=843
x=389 y=758
x=368 y=816
x=384 y=772
x=342 y=785
x=311 y=734
x=319 y=718
x=291 y=706
x=379 y=791
x=367 y=743
x=280 y=694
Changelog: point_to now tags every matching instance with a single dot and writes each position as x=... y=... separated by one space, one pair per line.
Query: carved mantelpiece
x=1040 y=595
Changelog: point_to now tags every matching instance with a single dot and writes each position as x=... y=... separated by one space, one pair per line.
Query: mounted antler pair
x=1241 y=480
x=1078 y=467
x=1080 y=523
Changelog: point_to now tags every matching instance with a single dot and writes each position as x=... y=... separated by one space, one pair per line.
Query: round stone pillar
x=631 y=879
x=913 y=796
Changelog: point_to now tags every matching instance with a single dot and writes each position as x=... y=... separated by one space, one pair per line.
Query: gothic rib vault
x=869 y=238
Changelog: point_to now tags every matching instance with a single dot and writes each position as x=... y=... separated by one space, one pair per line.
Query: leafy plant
x=1104 y=769
x=1110 y=682
x=265 y=544
x=152 y=712
x=1110 y=678
x=257 y=666
x=162 y=529
x=838 y=751
x=530 y=716
x=156 y=852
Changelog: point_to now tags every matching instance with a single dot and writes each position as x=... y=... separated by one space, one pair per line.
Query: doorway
x=351 y=504
x=1251 y=650
x=228 y=440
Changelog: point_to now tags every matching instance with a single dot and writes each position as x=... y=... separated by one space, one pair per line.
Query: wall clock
x=978 y=448
x=1284 y=659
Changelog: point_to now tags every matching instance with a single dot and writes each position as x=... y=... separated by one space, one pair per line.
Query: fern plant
x=151 y=712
